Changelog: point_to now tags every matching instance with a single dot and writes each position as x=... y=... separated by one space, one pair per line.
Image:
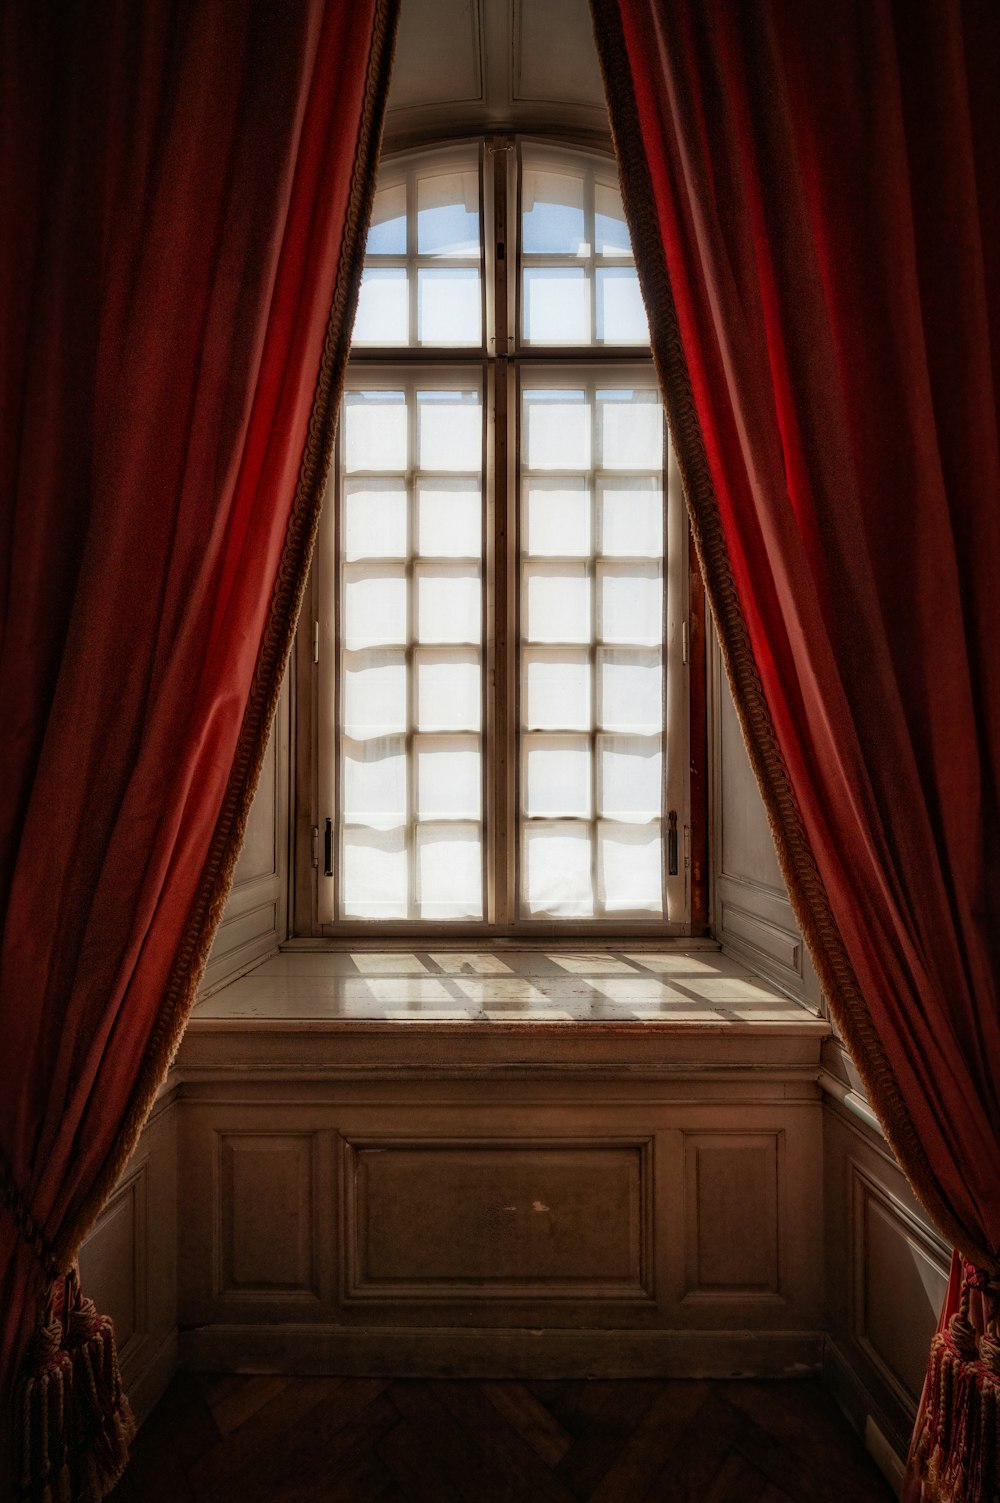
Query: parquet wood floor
x=380 y=1440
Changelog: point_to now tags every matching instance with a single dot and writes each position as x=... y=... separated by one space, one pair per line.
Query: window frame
x=502 y=361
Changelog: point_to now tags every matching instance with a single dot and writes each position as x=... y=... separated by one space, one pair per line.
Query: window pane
x=555 y=603
x=556 y=690
x=621 y=314
x=630 y=428
x=630 y=690
x=631 y=517
x=552 y=218
x=448 y=777
x=611 y=236
x=374 y=693
x=375 y=430
x=449 y=693
x=629 y=771
x=374 y=781
x=556 y=430
x=387 y=231
x=449 y=306
x=383 y=315
x=375 y=602
x=449 y=871
x=375 y=519
x=448 y=214
x=629 y=868
x=449 y=519
x=556 y=861
x=555 y=776
x=449 y=603
x=449 y=431
x=374 y=868
x=630 y=603
x=556 y=305
x=557 y=517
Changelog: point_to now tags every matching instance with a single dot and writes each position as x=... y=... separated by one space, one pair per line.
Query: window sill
x=659 y=1010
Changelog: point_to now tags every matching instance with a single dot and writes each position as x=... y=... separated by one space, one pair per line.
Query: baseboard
x=865 y=1414
x=449 y=1353
x=147 y=1387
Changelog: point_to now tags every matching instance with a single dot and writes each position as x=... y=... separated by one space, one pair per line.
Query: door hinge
x=315 y=641
x=684 y=642
x=315 y=845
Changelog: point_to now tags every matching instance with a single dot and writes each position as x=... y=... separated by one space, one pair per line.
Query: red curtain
x=185 y=191
x=813 y=196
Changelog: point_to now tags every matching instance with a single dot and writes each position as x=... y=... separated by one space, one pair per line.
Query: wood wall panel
x=886 y=1273
x=255 y=919
x=731 y=1213
x=267 y=1214
x=523 y=1220
x=898 y=1285
x=114 y=1263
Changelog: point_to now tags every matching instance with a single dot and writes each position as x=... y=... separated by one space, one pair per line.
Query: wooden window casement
x=495 y=682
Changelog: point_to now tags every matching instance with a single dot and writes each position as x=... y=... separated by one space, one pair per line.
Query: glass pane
x=375 y=519
x=631 y=517
x=552 y=220
x=449 y=519
x=449 y=696
x=373 y=876
x=387 y=231
x=555 y=775
x=449 y=603
x=630 y=603
x=630 y=428
x=449 y=306
x=449 y=431
x=375 y=430
x=374 y=611
x=629 y=777
x=621 y=314
x=448 y=777
x=383 y=315
x=556 y=863
x=631 y=690
x=556 y=690
x=555 y=603
x=611 y=236
x=629 y=868
x=556 y=305
x=557 y=517
x=449 y=871
x=374 y=693
x=448 y=214
x=556 y=432
x=374 y=781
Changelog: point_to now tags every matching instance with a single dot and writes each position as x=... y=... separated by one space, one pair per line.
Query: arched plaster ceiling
x=480 y=65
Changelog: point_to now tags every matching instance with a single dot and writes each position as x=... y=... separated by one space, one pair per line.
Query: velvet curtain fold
x=812 y=191
x=186 y=191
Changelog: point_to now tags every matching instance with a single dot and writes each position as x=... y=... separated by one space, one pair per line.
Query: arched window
x=501 y=691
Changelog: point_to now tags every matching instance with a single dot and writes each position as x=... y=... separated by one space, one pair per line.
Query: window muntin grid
x=578 y=280
x=610 y=688
x=592 y=689
x=410 y=823
x=422 y=283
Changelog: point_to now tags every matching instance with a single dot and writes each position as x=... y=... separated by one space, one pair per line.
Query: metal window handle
x=328 y=849
x=671 y=842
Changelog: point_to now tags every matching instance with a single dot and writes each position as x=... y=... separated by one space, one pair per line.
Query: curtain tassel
x=76 y=1424
x=958 y=1450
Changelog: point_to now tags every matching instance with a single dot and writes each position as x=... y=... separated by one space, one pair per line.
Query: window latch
x=328 y=849
x=672 y=843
